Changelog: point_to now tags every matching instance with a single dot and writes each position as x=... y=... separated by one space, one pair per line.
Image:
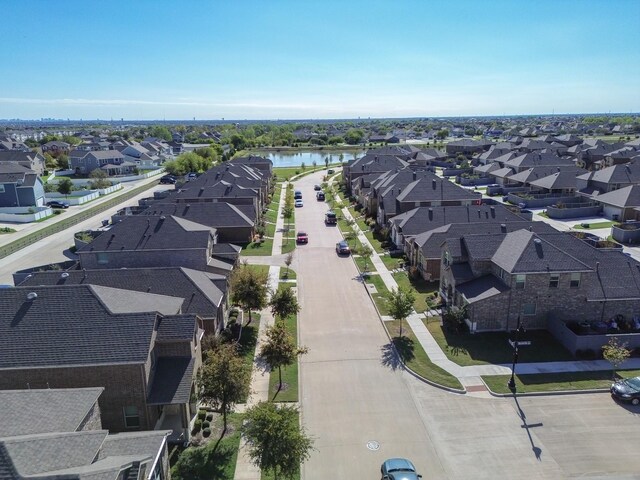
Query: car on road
x=302 y=237
x=299 y=203
x=330 y=218
x=331 y=171
x=297 y=195
x=627 y=390
x=57 y=204
x=342 y=248
x=168 y=179
x=191 y=176
x=398 y=469
x=317 y=187
x=320 y=196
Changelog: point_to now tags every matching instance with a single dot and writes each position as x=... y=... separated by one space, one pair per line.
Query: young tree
x=280 y=349
x=400 y=304
x=288 y=260
x=326 y=162
x=287 y=213
x=223 y=380
x=275 y=439
x=249 y=288
x=350 y=235
x=65 y=186
x=284 y=302
x=615 y=353
x=365 y=252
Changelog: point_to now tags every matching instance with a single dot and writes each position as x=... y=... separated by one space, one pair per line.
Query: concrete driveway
x=349 y=397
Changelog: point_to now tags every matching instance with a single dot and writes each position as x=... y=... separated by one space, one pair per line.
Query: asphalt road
x=351 y=396
x=55 y=248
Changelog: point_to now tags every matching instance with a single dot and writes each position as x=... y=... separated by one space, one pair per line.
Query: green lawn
x=289 y=374
x=360 y=260
x=380 y=297
x=422 y=289
x=283 y=173
x=416 y=358
x=391 y=262
x=248 y=340
x=376 y=243
x=493 y=347
x=595 y=225
x=258 y=248
x=549 y=382
x=271 y=215
x=213 y=461
x=270 y=229
x=258 y=268
x=7 y=230
x=287 y=274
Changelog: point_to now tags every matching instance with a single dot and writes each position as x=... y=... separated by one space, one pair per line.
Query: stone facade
x=93 y=420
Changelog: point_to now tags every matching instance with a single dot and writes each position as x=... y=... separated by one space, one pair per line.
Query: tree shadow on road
x=400 y=350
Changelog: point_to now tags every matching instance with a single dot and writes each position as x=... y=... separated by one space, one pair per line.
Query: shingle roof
x=172 y=381
x=623 y=197
x=481 y=288
x=177 y=327
x=523 y=252
x=68 y=326
x=628 y=173
x=214 y=214
x=435 y=188
x=58 y=410
x=137 y=232
x=560 y=180
x=538 y=159
x=202 y=292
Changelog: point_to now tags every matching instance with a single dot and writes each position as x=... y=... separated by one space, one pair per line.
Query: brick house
x=539 y=276
x=137 y=346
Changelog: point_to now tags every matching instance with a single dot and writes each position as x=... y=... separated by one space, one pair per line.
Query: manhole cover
x=373 y=445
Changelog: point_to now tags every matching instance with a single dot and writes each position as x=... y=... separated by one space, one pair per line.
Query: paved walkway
x=245 y=469
x=469 y=376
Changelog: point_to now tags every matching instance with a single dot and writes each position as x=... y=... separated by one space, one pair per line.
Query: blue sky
x=270 y=59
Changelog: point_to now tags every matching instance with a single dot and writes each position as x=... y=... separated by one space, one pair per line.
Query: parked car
x=331 y=171
x=398 y=469
x=192 y=176
x=168 y=179
x=330 y=218
x=627 y=390
x=342 y=248
x=320 y=196
x=316 y=187
x=57 y=204
x=302 y=237
x=299 y=203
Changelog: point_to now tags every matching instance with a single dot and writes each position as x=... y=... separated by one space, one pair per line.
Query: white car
x=299 y=203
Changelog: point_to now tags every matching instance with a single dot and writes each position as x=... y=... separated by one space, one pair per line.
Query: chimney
x=503 y=227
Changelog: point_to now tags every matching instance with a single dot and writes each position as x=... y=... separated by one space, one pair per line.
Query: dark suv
x=168 y=179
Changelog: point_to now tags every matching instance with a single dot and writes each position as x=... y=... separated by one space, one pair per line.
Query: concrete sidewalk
x=469 y=376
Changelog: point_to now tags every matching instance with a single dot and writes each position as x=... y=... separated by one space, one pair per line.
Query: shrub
x=209 y=417
x=206 y=424
x=197 y=425
x=206 y=432
x=202 y=415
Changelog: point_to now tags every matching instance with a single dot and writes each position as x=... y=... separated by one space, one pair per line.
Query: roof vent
x=64 y=275
x=31 y=296
x=434 y=183
x=537 y=241
x=163 y=217
x=503 y=227
x=531 y=229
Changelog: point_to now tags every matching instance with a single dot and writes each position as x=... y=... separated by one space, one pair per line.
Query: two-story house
x=19 y=186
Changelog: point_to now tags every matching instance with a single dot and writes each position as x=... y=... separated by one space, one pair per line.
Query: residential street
x=350 y=395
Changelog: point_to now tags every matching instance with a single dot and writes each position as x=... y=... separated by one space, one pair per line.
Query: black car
x=342 y=248
x=168 y=179
x=57 y=204
x=627 y=390
x=317 y=187
x=320 y=196
x=331 y=171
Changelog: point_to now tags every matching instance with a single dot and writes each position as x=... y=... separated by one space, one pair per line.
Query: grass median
x=414 y=356
x=289 y=392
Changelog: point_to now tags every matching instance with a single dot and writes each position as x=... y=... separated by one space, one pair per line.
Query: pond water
x=295 y=159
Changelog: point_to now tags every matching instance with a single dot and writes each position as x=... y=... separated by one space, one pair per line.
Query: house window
x=520 y=280
x=131 y=417
x=446 y=259
x=529 y=309
x=575 y=280
x=554 y=280
x=103 y=259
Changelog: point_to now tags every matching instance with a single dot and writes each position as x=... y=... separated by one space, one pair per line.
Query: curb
x=404 y=365
x=545 y=394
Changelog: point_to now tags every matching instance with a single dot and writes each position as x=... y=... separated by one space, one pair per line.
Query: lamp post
x=512 y=380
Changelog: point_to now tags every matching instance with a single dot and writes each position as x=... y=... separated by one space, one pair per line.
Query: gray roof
x=432 y=188
x=177 y=328
x=201 y=292
x=625 y=197
x=628 y=173
x=58 y=410
x=537 y=173
x=481 y=288
x=538 y=159
x=68 y=325
x=523 y=252
x=172 y=381
x=423 y=219
x=565 y=179
x=137 y=232
x=214 y=214
x=220 y=189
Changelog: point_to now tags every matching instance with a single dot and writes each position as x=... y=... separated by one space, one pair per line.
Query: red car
x=302 y=237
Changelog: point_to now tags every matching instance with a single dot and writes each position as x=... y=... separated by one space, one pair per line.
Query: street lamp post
x=512 y=380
